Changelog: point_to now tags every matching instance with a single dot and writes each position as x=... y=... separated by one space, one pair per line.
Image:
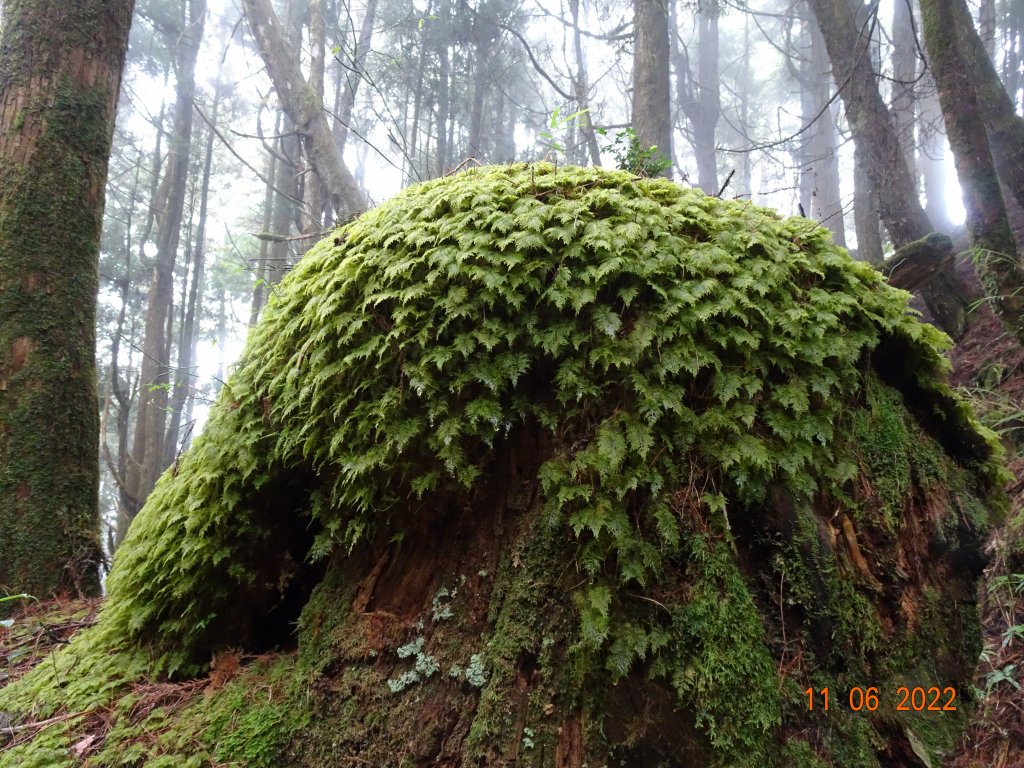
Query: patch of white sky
x=237 y=198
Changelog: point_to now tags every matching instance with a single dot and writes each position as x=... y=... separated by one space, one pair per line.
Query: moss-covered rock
x=567 y=467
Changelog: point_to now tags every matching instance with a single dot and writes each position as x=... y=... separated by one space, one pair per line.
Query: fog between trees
x=246 y=130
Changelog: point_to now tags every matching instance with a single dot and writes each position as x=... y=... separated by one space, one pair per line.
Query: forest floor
x=988 y=365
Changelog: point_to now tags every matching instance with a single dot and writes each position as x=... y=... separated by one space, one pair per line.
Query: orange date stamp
x=907 y=699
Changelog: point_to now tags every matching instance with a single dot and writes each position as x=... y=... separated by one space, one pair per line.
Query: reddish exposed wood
x=569 y=748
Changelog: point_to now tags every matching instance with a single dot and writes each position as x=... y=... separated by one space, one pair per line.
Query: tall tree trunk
x=741 y=187
x=873 y=131
x=418 y=167
x=581 y=88
x=118 y=386
x=476 y=111
x=443 y=89
x=652 y=117
x=996 y=109
x=874 y=136
x=865 y=214
x=285 y=207
x=186 y=370
x=504 y=131
x=904 y=65
x=999 y=264
x=222 y=339
x=302 y=106
x=151 y=418
x=987 y=26
x=313 y=197
x=820 y=178
x=709 y=99
x=482 y=33
x=1013 y=48
x=261 y=288
x=355 y=75
x=931 y=156
x=60 y=72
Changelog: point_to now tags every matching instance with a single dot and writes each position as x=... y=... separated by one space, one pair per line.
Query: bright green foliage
x=651 y=328
x=630 y=156
x=695 y=367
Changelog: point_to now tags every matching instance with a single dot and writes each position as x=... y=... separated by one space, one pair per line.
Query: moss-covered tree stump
x=561 y=467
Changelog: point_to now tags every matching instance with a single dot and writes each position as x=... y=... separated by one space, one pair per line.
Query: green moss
x=886 y=446
x=391 y=362
x=532 y=625
x=48 y=749
x=719 y=663
x=720 y=511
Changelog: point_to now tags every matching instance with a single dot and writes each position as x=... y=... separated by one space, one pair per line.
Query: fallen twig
x=45 y=723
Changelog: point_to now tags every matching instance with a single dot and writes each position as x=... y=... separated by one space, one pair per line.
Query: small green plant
x=1005 y=674
x=558 y=124
x=8 y=623
x=631 y=156
x=996 y=410
x=1016 y=632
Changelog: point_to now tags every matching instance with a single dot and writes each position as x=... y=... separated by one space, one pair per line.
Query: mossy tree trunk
x=60 y=72
x=952 y=58
x=996 y=108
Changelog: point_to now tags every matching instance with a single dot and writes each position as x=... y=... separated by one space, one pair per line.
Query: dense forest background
x=214 y=193
x=247 y=130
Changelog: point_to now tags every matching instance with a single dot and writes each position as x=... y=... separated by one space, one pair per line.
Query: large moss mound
x=567 y=467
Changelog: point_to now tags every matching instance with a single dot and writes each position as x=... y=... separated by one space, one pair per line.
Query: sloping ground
x=553 y=467
x=989 y=364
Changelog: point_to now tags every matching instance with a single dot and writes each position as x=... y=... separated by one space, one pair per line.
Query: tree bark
x=697 y=95
x=872 y=127
x=60 y=73
x=652 y=118
x=581 y=88
x=352 y=79
x=904 y=66
x=999 y=264
x=302 y=106
x=260 y=289
x=996 y=109
x=313 y=189
x=875 y=138
x=865 y=214
x=709 y=100
x=186 y=369
x=820 y=191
